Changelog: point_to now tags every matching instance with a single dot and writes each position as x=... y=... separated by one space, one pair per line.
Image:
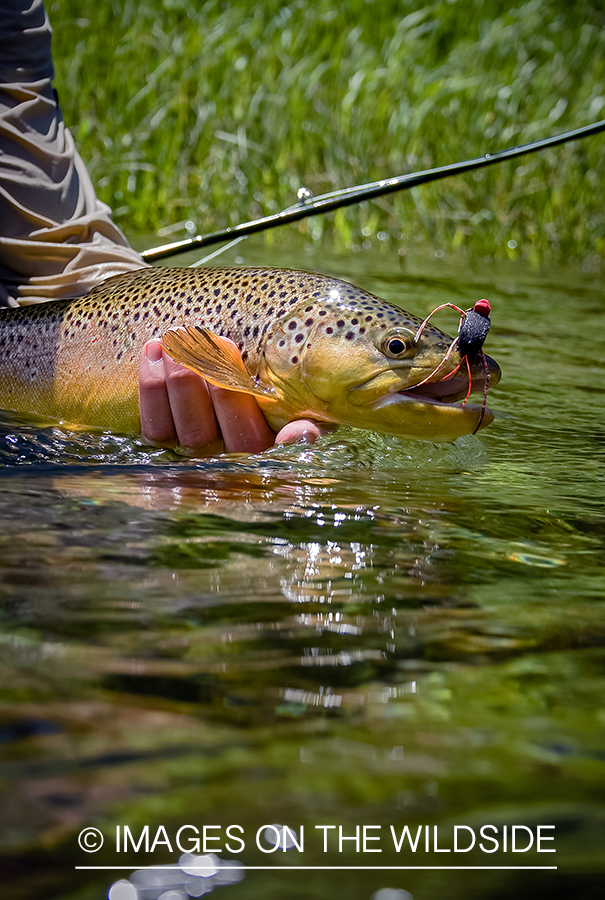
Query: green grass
x=218 y=112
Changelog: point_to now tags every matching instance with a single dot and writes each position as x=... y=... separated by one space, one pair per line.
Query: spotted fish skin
x=77 y=360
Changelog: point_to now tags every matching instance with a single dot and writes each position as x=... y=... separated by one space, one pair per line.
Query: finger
x=241 y=421
x=157 y=424
x=191 y=406
x=304 y=431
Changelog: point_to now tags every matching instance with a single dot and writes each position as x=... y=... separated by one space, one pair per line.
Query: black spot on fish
x=295 y=359
x=299 y=338
x=340 y=323
x=309 y=322
x=292 y=326
x=349 y=336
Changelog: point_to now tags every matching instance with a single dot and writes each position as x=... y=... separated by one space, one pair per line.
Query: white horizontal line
x=330 y=868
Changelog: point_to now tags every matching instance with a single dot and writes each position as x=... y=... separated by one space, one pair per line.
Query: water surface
x=365 y=632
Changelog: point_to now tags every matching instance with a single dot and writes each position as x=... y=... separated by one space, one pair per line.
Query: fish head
x=349 y=357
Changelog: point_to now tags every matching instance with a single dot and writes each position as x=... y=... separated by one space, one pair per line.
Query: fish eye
x=395 y=346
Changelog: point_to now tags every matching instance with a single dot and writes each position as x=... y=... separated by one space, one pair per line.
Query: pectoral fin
x=215 y=359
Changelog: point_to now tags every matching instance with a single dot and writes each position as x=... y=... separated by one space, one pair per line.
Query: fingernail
x=153 y=351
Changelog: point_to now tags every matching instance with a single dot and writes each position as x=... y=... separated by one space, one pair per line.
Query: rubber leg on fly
x=470 y=380
x=442 y=363
x=485 y=390
x=431 y=314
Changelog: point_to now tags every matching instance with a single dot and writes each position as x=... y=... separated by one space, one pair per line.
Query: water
x=368 y=632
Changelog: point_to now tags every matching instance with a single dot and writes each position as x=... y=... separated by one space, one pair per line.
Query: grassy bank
x=218 y=112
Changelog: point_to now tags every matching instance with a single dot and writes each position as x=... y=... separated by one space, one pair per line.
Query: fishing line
x=218 y=252
x=312 y=206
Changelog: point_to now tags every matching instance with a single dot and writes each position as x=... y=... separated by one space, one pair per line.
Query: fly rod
x=312 y=206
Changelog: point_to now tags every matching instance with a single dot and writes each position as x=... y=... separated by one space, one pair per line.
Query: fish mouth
x=455 y=387
x=447 y=392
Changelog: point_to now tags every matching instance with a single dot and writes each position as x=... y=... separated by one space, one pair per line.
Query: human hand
x=179 y=407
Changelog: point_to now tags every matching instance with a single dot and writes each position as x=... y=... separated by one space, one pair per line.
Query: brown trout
x=310 y=346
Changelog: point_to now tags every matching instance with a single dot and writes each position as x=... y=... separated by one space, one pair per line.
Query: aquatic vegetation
x=217 y=113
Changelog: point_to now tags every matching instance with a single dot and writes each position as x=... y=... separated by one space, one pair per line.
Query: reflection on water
x=192 y=876
x=365 y=632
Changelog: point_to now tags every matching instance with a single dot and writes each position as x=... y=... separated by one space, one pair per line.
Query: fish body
x=311 y=346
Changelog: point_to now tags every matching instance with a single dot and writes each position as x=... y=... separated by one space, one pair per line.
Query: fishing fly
x=473 y=329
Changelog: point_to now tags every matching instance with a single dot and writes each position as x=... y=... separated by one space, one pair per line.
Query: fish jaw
x=391 y=409
x=429 y=411
x=423 y=418
x=396 y=413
